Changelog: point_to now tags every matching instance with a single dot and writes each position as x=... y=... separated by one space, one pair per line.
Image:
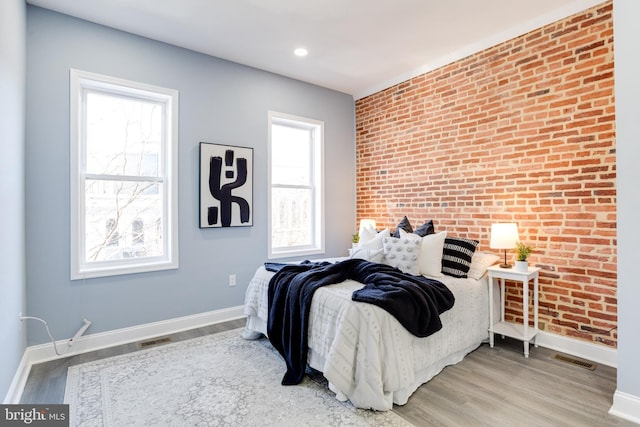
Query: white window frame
x=317 y=172
x=80 y=83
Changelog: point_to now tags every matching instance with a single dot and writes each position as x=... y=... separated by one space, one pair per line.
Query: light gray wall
x=627 y=72
x=12 y=253
x=220 y=102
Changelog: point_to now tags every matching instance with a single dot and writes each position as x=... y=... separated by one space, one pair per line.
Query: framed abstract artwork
x=226 y=186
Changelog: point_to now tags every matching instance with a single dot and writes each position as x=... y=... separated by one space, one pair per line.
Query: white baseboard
x=19 y=381
x=92 y=342
x=583 y=349
x=626 y=406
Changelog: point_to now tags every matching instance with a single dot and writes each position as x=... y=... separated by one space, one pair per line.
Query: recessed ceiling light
x=301 y=51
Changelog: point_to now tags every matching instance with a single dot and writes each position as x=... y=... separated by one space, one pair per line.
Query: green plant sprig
x=523 y=251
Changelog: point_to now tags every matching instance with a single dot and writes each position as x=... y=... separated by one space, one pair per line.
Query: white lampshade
x=504 y=235
x=366 y=222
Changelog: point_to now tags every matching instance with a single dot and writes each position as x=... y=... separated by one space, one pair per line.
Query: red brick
x=523 y=131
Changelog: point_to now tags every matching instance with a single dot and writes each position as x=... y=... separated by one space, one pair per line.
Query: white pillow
x=373 y=255
x=412 y=236
x=375 y=242
x=367 y=234
x=403 y=253
x=479 y=264
x=431 y=254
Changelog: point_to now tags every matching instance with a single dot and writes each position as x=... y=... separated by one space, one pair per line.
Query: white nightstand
x=514 y=330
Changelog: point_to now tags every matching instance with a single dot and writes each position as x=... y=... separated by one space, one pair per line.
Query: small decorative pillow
x=403 y=253
x=367 y=233
x=479 y=264
x=456 y=256
x=375 y=242
x=403 y=225
x=425 y=229
x=373 y=255
x=431 y=254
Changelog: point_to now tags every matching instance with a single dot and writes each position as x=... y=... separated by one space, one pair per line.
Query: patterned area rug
x=216 y=380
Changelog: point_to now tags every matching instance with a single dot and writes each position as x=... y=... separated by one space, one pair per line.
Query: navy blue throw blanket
x=415 y=301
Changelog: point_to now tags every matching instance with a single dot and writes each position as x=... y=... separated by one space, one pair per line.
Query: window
x=296 y=196
x=124 y=216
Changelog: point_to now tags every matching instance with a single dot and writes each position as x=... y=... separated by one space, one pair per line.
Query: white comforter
x=364 y=352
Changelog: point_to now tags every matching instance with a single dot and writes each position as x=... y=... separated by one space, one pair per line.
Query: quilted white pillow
x=373 y=241
x=403 y=253
x=479 y=264
x=431 y=254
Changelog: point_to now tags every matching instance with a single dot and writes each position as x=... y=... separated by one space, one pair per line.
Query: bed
x=366 y=355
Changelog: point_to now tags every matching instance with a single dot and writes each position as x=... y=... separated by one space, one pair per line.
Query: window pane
x=123 y=135
x=290 y=155
x=291 y=217
x=123 y=220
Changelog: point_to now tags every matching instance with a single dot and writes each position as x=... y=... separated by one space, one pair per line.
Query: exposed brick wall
x=525 y=132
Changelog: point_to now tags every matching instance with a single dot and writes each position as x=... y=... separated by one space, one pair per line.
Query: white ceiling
x=355 y=46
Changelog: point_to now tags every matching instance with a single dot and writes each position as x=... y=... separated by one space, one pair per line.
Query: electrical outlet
x=232 y=280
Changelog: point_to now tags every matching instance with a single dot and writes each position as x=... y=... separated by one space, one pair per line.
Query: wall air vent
x=155 y=341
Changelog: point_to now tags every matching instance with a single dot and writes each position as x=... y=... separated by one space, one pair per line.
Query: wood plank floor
x=500 y=387
x=490 y=387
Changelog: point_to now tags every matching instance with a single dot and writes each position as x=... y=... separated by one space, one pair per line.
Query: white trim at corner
x=45 y=352
x=583 y=349
x=626 y=406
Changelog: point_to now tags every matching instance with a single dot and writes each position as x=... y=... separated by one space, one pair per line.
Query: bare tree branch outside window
x=123 y=195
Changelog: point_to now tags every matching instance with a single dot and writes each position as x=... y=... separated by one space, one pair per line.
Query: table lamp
x=366 y=222
x=504 y=235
